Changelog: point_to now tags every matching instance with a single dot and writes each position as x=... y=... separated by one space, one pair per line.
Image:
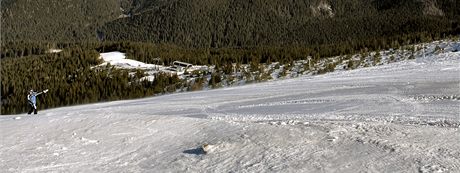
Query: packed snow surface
x=399 y=117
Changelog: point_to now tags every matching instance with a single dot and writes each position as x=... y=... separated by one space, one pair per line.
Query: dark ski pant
x=32 y=108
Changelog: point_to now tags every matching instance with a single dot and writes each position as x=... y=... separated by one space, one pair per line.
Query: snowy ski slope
x=400 y=117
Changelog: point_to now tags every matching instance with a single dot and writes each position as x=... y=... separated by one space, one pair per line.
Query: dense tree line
x=221 y=57
x=21 y=49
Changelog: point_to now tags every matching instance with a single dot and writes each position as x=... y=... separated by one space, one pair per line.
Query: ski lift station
x=181 y=66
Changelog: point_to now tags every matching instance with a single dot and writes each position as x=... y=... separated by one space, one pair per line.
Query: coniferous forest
x=202 y=32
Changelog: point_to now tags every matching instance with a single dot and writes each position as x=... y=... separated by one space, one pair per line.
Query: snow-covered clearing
x=118 y=59
x=399 y=117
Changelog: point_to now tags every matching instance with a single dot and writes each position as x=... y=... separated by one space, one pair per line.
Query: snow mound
x=54 y=50
x=148 y=78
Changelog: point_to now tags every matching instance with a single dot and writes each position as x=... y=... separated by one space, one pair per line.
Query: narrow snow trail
x=401 y=117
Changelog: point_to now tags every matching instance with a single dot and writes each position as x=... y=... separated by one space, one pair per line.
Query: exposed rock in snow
x=322 y=9
x=430 y=8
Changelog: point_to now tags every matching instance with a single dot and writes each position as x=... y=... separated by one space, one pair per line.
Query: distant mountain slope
x=55 y=20
x=225 y=23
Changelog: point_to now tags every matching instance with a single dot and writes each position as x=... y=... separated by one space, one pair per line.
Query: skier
x=32 y=98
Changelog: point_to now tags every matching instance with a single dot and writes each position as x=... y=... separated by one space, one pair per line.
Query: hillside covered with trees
x=226 y=23
x=243 y=23
x=55 y=20
x=72 y=78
